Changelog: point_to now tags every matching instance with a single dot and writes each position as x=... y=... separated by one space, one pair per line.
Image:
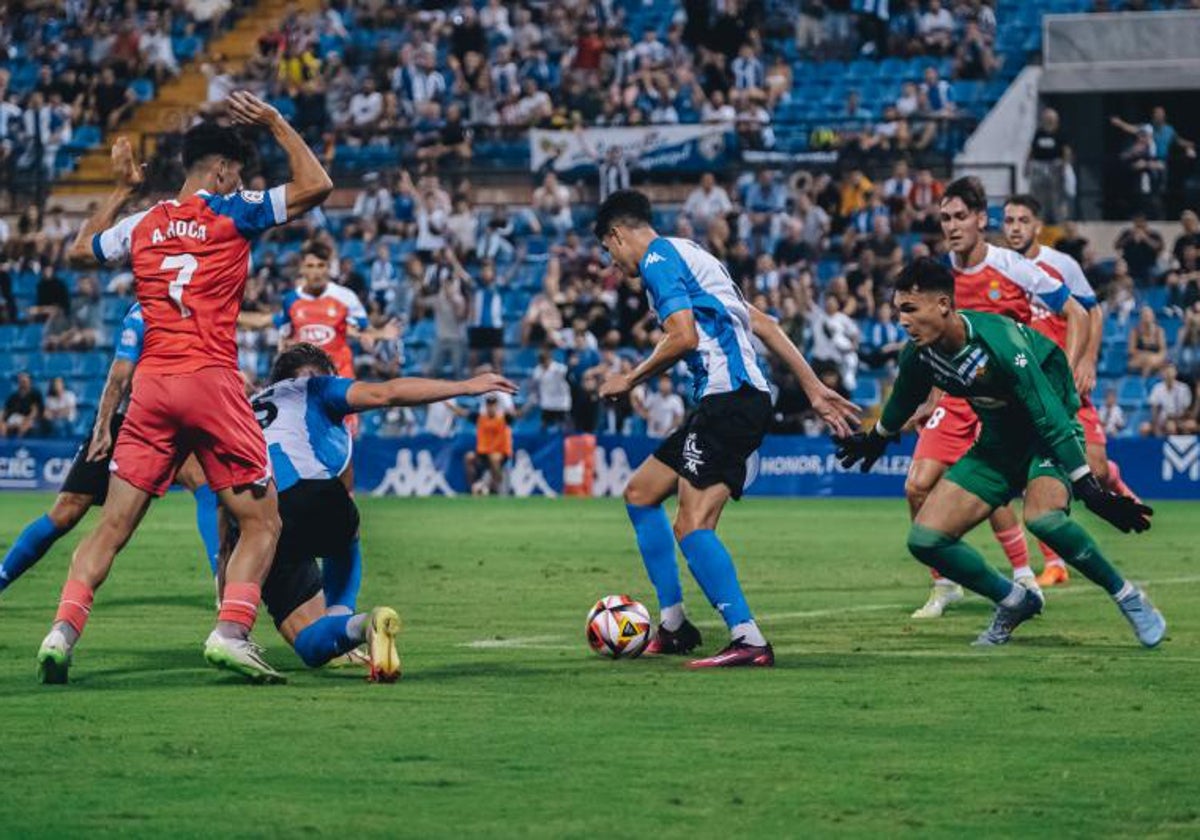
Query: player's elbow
x=79 y=255
x=688 y=338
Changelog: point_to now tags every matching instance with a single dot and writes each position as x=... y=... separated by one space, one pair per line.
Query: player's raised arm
x=128 y=176
x=310 y=184
x=838 y=412
x=364 y=396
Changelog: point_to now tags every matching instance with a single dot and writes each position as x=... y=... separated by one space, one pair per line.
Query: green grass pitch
x=506 y=724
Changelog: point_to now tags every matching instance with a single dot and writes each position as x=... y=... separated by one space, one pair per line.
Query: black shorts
x=319 y=520
x=716 y=438
x=90 y=478
x=485 y=338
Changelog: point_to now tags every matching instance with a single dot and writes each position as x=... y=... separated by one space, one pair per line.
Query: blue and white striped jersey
x=302 y=422
x=486 y=307
x=133 y=335
x=679 y=274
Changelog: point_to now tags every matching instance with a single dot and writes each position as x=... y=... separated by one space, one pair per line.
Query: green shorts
x=998 y=477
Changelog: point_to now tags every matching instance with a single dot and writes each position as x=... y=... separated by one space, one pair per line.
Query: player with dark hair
x=987 y=279
x=707 y=324
x=190 y=257
x=1021 y=387
x=1022 y=227
x=302 y=414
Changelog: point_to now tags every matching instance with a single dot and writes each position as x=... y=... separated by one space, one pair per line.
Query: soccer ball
x=618 y=627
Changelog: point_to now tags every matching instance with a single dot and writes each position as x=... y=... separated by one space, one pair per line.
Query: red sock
x=933 y=573
x=239 y=604
x=1012 y=540
x=75 y=605
x=1052 y=558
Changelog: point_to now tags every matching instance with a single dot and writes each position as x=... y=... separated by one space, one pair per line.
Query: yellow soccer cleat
x=1053 y=575
x=384 y=660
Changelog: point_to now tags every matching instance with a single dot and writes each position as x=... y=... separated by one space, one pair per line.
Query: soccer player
x=302 y=413
x=1021 y=386
x=86 y=483
x=988 y=279
x=1022 y=227
x=190 y=258
x=707 y=323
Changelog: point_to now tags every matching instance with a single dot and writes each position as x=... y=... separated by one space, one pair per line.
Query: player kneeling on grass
x=302 y=414
x=1020 y=385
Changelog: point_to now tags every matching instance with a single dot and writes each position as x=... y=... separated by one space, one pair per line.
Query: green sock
x=958 y=561
x=1075 y=545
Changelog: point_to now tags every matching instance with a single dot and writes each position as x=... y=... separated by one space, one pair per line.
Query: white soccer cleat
x=241 y=656
x=54 y=659
x=941 y=596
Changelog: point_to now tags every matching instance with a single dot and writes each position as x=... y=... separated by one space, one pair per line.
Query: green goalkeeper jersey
x=1017 y=381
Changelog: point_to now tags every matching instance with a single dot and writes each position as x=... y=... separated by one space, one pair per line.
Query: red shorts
x=205 y=413
x=949 y=432
x=1093 y=429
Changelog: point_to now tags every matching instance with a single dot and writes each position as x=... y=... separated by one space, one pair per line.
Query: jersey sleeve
x=1077 y=284
x=912 y=386
x=331 y=392
x=113 y=245
x=283 y=317
x=252 y=211
x=663 y=271
x=1014 y=355
x=1037 y=283
x=356 y=315
x=133 y=332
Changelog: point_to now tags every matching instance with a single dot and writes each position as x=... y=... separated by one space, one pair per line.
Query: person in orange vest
x=493 y=447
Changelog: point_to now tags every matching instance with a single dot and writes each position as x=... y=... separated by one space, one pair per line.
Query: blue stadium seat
x=143 y=89
x=1132 y=391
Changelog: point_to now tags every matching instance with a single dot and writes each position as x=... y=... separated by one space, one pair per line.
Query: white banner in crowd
x=651 y=147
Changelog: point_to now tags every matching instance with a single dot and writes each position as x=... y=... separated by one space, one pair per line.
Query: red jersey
x=1005 y=283
x=1063 y=268
x=323 y=320
x=190 y=261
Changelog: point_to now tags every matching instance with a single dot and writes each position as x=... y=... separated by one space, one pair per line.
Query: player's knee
x=1044 y=524
x=638 y=494
x=927 y=543
x=917 y=488
x=261 y=523
x=68 y=510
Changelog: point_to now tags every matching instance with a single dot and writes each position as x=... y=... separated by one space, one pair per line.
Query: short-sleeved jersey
x=1017 y=381
x=679 y=274
x=493 y=435
x=302 y=422
x=190 y=260
x=1063 y=268
x=131 y=337
x=1005 y=283
x=323 y=320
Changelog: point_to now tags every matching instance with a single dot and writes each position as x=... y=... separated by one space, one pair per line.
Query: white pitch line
x=558 y=642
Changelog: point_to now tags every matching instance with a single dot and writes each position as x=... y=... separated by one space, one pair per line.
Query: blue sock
x=342 y=576
x=656 y=542
x=206 y=522
x=713 y=569
x=29 y=547
x=324 y=639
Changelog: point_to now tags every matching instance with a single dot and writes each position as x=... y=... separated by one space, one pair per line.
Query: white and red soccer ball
x=618 y=627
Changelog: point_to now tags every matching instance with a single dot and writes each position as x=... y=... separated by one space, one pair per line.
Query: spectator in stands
x=937 y=29
x=937 y=93
x=1147 y=344
x=764 y=200
x=897 y=189
x=1187 y=346
x=453 y=141
x=854 y=193
x=706 y=201
x=552 y=204
x=1140 y=247
x=1072 y=243
x=366 y=110
x=51 y=298
x=1190 y=235
x=485 y=319
x=77 y=328
x=61 y=408
x=1169 y=402
x=1162 y=133
x=1146 y=172
x=793 y=251
x=904 y=29
x=883 y=339
x=158 y=53
x=9 y=314
x=447 y=301
x=661 y=408
x=717 y=109
x=835 y=339
x=550 y=391
x=24 y=410
x=752 y=124
x=372 y=211
x=1112 y=416
x=974 y=58
x=815 y=221
x=1183 y=281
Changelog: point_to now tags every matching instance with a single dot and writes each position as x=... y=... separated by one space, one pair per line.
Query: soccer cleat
x=383 y=659
x=1029 y=582
x=241 y=656
x=54 y=659
x=1147 y=622
x=941 y=596
x=674 y=642
x=1007 y=619
x=1053 y=575
x=356 y=658
x=738 y=654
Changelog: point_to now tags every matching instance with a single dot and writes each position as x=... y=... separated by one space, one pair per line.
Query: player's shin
x=961 y=563
x=1012 y=542
x=713 y=569
x=74 y=607
x=206 y=524
x=341 y=577
x=656 y=542
x=28 y=548
x=1075 y=545
x=329 y=637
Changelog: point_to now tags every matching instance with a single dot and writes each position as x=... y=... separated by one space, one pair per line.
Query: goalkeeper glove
x=1120 y=511
x=866 y=447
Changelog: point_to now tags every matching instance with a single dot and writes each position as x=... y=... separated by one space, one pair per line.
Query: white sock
x=1015 y=597
x=1023 y=573
x=672 y=617
x=356 y=627
x=1125 y=591
x=749 y=633
x=944 y=581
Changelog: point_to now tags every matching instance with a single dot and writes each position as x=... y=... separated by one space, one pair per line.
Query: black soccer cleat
x=674 y=642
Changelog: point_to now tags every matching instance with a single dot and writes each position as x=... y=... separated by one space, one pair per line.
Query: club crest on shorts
x=693 y=458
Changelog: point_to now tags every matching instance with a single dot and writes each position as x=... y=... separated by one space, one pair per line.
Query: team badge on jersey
x=994 y=290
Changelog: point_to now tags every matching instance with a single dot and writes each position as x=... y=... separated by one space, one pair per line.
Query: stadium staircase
x=173 y=105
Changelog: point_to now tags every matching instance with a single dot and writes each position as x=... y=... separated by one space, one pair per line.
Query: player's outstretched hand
x=614 y=386
x=485 y=383
x=126 y=169
x=247 y=109
x=866 y=447
x=839 y=413
x=1121 y=512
